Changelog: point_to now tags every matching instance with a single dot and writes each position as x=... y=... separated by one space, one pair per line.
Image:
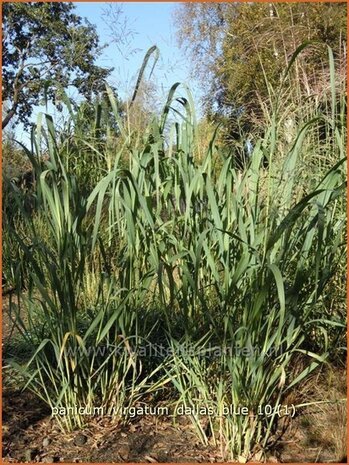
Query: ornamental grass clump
x=224 y=267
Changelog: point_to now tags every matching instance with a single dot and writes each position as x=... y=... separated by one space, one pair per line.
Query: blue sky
x=152 y=24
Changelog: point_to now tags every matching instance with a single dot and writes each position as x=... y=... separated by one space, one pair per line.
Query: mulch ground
x=30 y=435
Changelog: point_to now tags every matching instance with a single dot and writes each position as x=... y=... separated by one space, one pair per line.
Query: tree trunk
x=9 y=116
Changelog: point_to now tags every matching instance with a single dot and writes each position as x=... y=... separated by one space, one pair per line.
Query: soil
x=30 y=435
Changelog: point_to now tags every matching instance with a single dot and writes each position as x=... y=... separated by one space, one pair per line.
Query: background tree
x=46 y=41
x=240 y=52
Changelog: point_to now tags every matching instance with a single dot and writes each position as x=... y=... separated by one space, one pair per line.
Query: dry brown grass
x=319 y=432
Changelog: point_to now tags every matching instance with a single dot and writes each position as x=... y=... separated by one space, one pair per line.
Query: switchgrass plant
x=226 y=268
x=82 y=354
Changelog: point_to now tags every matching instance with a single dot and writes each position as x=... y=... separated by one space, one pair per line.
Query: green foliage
x=42 y=42
x=227 y=269
x=244 y=49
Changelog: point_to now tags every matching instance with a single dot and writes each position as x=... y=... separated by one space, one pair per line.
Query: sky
x=147 y=24
x=138 y=26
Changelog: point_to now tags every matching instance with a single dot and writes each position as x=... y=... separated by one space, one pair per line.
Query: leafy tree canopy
x=237 y=48
x=46 y=41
